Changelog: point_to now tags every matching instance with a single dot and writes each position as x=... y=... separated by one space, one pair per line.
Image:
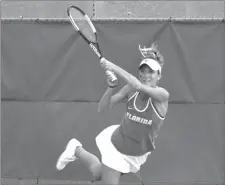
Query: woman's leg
x=90 y=161
x=99 y=171
x=75 y=150
x=110 y=176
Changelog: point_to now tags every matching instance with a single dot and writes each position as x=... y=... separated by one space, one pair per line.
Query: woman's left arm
x=160 y=94
x=107 y=65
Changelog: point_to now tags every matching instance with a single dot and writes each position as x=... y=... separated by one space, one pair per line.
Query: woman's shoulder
x=161 y=107
x=132 y=93
x=160 y=87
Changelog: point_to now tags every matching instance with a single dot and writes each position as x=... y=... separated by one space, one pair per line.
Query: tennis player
x=125 y=147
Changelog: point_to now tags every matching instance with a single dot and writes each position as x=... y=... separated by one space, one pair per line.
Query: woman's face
x=147 y=76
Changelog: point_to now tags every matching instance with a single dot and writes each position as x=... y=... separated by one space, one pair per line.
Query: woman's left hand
x=107 y=65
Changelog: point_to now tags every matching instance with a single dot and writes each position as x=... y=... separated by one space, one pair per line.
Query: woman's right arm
x=109 y=99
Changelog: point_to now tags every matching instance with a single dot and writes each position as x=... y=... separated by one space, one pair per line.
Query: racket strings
x=82 y=23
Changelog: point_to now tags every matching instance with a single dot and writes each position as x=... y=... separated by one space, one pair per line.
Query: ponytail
x=153 y=53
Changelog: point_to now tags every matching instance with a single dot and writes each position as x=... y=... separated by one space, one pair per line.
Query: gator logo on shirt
x=138 y=119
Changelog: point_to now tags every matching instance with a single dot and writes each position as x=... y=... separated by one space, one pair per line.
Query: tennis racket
x=84 y=26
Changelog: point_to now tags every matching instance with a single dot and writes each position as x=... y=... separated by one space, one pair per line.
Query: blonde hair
x=153 y=53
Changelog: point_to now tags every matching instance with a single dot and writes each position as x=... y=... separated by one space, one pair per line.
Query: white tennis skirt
x=114 y=159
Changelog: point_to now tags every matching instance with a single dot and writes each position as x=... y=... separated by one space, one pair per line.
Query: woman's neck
x=143 y=96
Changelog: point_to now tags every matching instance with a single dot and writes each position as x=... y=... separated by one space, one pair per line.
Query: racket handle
x=111 y=78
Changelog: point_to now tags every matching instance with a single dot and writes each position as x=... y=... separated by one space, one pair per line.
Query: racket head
x=82 y=23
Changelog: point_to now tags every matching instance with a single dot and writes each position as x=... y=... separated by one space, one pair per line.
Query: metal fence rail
x=66 y=20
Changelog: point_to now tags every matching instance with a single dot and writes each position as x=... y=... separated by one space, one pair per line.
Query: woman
x=125 y=147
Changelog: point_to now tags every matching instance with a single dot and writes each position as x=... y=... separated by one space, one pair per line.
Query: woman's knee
x=110 y=176
x=96 y=171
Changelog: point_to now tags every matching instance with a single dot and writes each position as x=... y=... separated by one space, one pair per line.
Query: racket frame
x=91 y=44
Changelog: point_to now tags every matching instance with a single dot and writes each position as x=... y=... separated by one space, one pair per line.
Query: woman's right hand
x=111 y=79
